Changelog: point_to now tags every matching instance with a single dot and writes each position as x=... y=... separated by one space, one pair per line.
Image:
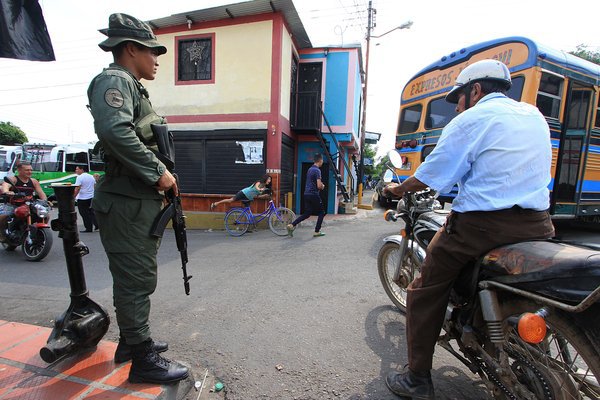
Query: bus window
x=516 y=89
x=74 y=160
x=439 y=113
x=578 y=109
x=597 y=124
x=548 y=98
x=409 y=120
x=426 y=151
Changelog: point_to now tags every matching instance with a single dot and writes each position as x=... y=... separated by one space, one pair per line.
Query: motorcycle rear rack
x=585 y=303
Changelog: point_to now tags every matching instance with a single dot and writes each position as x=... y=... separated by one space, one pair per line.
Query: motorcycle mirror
x=395 y=158
x=388 y=176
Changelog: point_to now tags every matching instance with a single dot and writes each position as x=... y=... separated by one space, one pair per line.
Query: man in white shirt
x=499 y=152
x=84 y=193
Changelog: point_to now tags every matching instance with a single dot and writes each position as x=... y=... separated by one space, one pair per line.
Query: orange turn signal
x=403 y=233
x=532 y=328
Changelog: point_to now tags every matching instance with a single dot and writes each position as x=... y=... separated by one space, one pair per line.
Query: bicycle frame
x=256 y=218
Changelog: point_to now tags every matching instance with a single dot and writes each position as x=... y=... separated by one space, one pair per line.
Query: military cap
x=123 y=27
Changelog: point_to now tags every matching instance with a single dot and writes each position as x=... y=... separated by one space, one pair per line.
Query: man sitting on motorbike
x=22 y=182
x=499 y=152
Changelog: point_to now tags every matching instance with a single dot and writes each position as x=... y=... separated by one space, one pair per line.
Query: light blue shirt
x=498 y=151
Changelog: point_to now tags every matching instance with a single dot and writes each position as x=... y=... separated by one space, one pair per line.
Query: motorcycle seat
x=554 y=269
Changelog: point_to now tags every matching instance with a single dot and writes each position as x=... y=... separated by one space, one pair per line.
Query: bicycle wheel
x=279 y=219
x=236 y=222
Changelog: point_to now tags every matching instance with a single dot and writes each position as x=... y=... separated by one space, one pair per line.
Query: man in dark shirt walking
x=312 y=199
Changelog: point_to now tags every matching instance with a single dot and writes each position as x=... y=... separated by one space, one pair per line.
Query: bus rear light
x=412 y=143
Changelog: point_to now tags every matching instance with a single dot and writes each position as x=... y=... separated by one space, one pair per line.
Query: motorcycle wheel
x=388 y=260
x=40 y=245
x=564 y=366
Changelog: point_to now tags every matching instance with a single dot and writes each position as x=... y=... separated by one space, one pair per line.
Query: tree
x=370 y=152
x=590 y=55
x=11 y=134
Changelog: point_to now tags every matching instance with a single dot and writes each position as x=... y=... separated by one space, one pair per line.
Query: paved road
x=272 y=317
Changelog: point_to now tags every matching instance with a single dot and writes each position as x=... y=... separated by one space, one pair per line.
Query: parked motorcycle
x=524 y=317
x=27 y=225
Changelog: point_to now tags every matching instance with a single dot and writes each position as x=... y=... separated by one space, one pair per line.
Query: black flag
x=23 y=32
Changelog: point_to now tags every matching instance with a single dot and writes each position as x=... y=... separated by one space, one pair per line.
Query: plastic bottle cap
x=218 y=386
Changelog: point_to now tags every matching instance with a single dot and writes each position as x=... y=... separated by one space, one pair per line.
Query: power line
x=45 y=87
x=42 y=101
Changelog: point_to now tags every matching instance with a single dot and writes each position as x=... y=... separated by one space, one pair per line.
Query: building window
x=195 y=59
x=549 y=95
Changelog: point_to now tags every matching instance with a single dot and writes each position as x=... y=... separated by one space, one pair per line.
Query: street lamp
x=361 y=171
x=405 y=25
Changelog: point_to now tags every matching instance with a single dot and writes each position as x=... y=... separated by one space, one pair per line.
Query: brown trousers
x=463 y=238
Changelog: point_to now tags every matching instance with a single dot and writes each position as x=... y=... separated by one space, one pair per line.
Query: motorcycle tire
x=565 y=365
x=40 y=245
x=387 y=261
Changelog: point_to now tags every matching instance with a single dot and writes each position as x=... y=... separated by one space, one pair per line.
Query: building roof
x=246 y=8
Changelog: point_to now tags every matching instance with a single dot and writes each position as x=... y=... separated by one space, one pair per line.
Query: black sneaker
x=411 y=385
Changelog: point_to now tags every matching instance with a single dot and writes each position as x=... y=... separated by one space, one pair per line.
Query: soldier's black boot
x=411 y=385
x=149 y=367
x=123 y=352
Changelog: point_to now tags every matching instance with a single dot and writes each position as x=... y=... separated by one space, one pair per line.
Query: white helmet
x=484 y=69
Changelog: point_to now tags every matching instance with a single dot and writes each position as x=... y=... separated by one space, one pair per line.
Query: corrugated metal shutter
x=189 y=165
x=288 y=154
x=206 y=160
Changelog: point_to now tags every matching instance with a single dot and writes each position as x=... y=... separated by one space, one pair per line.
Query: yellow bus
x=565 y=88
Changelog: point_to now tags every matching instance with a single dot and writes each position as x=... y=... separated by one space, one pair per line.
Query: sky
x=47 y=99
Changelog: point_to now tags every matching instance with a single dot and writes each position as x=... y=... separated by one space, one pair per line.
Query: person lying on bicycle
x=256 y=190
x=21 y=183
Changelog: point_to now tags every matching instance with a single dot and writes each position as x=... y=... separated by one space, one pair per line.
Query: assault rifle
x=173 y=211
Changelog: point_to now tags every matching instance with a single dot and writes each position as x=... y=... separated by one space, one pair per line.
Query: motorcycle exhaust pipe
x=85 y=322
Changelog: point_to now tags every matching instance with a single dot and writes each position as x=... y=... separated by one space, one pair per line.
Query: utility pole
x=370 y=25
x=361 y=167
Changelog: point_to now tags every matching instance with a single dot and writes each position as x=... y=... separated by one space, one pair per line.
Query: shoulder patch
x=114 y=98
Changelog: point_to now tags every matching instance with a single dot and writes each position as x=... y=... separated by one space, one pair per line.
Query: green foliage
x=590 y=55
x=370 y=152
x=11 y=134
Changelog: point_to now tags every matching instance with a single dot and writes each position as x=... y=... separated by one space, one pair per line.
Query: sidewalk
x=89 y=375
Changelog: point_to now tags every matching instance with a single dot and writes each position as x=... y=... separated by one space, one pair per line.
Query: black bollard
x=85 y=322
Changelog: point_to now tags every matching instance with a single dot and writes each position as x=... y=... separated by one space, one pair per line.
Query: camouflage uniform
x=126 y=200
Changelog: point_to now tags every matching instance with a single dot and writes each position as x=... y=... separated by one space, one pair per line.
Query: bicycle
x=238 y=219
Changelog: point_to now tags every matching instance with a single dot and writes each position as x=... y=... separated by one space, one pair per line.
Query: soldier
x=129 y=196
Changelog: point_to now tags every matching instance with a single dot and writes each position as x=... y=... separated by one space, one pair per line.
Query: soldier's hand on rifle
x=166 y=182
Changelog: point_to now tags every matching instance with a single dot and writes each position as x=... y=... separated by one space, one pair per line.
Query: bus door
x=574 y=140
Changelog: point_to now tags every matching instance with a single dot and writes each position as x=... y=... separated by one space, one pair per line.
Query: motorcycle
x=524 y=317
x=27 y=225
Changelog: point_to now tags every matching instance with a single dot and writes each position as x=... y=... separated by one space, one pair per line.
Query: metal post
x=361 y=169
x=85 y=322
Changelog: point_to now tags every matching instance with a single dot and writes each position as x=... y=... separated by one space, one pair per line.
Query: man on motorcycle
x=22 y=182
x=499 y=152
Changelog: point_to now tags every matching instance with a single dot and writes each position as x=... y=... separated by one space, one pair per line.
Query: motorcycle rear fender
x=40 y=225
x=557 y=270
